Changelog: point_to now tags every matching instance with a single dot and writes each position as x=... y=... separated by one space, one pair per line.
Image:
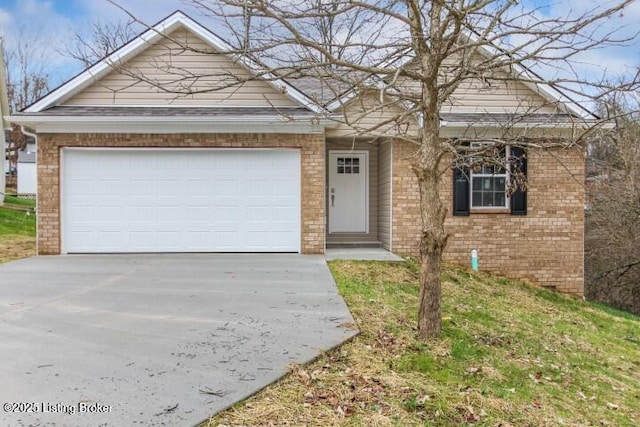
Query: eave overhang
x=173 y=124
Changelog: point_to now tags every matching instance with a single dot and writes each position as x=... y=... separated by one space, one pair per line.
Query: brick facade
x=312 y=158
x=546 y=246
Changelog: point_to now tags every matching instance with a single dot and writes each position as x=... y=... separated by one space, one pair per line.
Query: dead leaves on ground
x=341 y=389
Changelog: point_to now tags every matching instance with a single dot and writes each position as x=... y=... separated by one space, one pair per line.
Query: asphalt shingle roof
x=123 y=111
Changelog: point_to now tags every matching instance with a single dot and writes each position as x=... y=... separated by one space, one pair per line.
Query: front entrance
x=348 y=192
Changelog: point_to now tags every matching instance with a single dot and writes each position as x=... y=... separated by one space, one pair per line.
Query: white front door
x=348 y=192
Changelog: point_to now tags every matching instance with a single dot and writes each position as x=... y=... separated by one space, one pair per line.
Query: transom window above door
x=348 y=165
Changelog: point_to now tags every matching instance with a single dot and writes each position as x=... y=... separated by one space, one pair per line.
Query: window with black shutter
x=485 y=185
x=519 y=167
x=461 y=191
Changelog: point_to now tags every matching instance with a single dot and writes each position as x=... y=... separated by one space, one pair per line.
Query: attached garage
x=233 y=162
x=168 y=200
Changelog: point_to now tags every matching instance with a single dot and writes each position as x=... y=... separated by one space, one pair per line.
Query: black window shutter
x=519 y=197
x=461 y=192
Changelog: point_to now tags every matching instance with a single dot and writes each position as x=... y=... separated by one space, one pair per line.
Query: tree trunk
x=433 y=240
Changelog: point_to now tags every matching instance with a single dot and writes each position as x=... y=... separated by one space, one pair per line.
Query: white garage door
x=153 y=200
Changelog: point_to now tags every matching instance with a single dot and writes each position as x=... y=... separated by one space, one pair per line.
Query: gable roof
x=155 y=33
x=521 y=73
x=316 y=96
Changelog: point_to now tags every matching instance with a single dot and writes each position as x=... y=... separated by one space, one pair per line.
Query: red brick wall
x=546 y=246
x=312 y=158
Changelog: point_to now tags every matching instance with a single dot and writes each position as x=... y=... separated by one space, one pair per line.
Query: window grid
x=489 y=185
x=348 y=165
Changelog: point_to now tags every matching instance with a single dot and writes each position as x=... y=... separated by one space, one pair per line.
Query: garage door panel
x=258 y=213
x=169 y=187
x=168 y=213
x=84 y=213
x=170 y=240
x=226 y=240
x=180 y=201
x=200 y=214
x=110 y=237
x=81 y=186
x=142 y=240
x=105 y=213
x=140 y=187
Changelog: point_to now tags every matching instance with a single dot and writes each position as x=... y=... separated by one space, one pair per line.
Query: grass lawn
x=19 y=201
x=510 y=355
x=17 y=234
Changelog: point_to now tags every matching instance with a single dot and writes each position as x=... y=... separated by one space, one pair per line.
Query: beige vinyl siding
x=365 y=115
x=496 y=96
x=372 y=148
x=384 y=192
x=193 y=76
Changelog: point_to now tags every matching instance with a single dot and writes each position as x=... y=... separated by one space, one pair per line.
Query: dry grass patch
x=14 y=247
x=17 y=233
x=510 y=355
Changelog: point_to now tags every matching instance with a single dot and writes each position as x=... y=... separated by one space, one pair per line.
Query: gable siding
x=181 y=71
x=496 y=96
x=365 y=116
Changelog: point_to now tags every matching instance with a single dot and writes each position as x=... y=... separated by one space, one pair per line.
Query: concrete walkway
x=156 y=339
x=361 y=254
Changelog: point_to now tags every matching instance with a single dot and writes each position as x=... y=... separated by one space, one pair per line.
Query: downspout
x=4 y=109
x=31 y=134
x=391 y=146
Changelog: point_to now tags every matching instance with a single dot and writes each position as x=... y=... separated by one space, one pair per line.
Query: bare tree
x=417 y=57
x=105 y=38
x=27 y=77
x=612 y=235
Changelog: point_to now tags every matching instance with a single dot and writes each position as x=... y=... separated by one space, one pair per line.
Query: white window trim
x=507 y=176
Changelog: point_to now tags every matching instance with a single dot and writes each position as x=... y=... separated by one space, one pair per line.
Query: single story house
x=125 y=166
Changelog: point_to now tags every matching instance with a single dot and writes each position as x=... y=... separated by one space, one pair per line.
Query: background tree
x=612 y=234
x=27 y=75
x=416 y=56
x=105 y=37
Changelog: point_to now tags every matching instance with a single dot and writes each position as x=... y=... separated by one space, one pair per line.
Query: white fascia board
x=582 y=124
x=342 y=100
x=375 y=81
x=181 y=128
x=547 y=91
x=349 y=96
x=528 y=78
x=149 y=37
x=252 y=66
x=104 y=66
x=160 y=124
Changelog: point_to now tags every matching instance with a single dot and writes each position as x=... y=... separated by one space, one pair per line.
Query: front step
x=353 y=244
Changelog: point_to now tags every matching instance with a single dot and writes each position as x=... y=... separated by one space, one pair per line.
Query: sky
x=52 y=24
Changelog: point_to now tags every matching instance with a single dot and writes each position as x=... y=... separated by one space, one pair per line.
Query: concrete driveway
x=156 y=339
